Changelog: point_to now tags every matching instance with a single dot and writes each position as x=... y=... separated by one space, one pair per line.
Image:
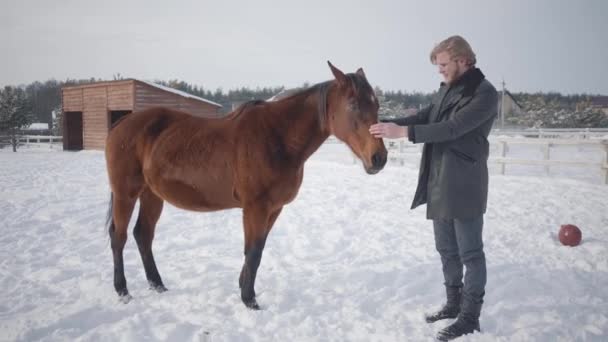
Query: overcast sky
x=542 y=45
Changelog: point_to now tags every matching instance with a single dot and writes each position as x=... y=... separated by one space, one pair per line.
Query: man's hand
x=388 y=130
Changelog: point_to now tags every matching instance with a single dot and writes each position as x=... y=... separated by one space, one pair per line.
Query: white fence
x=554 y=133
x=501 y=142
x=547 y=146
x=501 y=145
x=50 y=141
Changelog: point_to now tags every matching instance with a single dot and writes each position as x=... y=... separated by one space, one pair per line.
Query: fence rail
x=400 y=148
x=577 y=133
x=547 y=145
x=34 y=139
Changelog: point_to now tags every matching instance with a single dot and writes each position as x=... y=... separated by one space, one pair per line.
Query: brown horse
x=251 y=159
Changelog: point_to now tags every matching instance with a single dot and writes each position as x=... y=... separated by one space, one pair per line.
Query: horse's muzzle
x=378 y=162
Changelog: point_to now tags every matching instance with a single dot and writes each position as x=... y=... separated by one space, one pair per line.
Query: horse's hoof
x=125 y=298
x=252 y=304
x=158 y=288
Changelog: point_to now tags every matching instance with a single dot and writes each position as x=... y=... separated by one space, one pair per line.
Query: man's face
x=451 y=69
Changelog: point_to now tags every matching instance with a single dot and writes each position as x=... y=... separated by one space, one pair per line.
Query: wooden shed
x=90 y=110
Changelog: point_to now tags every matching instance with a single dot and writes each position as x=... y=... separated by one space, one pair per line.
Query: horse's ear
x=361 y=73
x=339 y=75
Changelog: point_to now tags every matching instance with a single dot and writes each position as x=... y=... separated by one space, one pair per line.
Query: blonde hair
x=457 y=47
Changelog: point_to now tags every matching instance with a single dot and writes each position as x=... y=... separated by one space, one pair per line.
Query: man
x=453 y=179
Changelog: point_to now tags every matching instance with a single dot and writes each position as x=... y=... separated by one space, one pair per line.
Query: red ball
x=570 y=235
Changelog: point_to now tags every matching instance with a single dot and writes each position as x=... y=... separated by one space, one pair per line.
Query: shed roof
x=508 y=93
x=178 y=92
x=149 y=83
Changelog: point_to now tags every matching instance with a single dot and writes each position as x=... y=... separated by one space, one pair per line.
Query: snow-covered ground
x=346 y=261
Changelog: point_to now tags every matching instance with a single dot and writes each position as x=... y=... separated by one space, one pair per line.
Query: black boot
x=451 y=309
x=467 y=323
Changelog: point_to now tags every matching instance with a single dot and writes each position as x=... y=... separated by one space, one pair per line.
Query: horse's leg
x=122 y=208
x=150 y=208
x=257 y=222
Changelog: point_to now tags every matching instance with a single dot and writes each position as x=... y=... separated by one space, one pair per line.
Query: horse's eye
x=352 y=106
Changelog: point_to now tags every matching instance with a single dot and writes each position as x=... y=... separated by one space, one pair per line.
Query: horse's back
x=150 y=122
x=131 y=138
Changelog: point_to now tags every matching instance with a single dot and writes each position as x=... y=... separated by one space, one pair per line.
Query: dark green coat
x=453 y=179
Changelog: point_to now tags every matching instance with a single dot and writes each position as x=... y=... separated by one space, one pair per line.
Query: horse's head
x=352 y=109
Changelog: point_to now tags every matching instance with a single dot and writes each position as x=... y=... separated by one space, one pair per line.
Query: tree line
x=554 y=110
x=45 y=97
x=35 y=102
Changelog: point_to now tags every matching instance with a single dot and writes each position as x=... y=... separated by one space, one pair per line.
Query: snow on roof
x=283 y=94
x=179 y=92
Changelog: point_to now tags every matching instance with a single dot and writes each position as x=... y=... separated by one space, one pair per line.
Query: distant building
x=512 y=110
x=600 y=102
x=512 y=107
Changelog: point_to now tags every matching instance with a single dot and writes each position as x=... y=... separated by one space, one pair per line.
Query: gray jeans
x=459 y=242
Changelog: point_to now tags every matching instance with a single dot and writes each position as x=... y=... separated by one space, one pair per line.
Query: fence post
x=503 y=154
x=547 y=153
x=605 y=164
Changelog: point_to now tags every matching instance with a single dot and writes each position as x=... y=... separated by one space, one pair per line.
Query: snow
x=37 y=126
x=346 y=261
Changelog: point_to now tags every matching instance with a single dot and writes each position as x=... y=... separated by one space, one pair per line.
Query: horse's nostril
x=378 y=160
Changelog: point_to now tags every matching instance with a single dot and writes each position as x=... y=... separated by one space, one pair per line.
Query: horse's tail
x=109 y=215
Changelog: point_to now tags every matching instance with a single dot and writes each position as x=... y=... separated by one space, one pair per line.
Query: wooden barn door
x=72 y=131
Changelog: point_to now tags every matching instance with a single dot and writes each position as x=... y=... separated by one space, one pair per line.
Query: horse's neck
x=304 y=134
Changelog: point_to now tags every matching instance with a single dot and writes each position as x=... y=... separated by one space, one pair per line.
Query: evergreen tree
x=15 y=113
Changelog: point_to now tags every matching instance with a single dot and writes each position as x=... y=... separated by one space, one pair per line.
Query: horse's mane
x=319 y=88
x=359 y=83
x=300 y=95
x=246 y=105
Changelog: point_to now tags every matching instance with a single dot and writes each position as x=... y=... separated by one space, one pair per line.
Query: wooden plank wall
x=95 y=117
x=95 y=101
x=120 y=96
x=147 y=96
x=198 y=108
x=72 y=100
